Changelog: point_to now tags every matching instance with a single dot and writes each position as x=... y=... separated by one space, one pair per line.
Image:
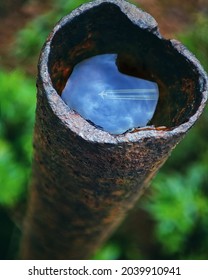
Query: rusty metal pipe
x=85 y=180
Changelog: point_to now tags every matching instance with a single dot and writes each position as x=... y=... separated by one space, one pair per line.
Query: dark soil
x=14 y=15
x=174 y=16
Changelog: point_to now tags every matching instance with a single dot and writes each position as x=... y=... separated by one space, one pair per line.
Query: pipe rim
x=80 y=126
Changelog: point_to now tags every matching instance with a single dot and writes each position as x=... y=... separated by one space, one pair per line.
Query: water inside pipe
x=108 y=99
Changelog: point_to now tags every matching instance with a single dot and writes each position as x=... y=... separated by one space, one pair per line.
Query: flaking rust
x=84 y=179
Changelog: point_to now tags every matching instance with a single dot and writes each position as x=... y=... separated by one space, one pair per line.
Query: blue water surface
x=111 y=100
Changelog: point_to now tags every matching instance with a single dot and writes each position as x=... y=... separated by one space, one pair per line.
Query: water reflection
x=112 y=101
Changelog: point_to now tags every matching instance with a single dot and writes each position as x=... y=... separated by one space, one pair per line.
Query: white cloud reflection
x=111 y=100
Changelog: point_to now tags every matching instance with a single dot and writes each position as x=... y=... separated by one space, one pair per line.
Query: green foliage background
x=177 y=203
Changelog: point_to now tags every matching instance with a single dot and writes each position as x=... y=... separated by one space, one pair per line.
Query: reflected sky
x=112 y=101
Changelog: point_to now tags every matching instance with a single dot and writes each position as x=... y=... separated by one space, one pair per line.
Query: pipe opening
x=105 y=29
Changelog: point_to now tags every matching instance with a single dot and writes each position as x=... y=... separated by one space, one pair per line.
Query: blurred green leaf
x=17 y=110
x=110 y=251
x=12 y=177
x=176 y=205
x=196 y=39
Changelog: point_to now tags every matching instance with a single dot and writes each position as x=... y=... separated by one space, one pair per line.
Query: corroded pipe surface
x=85 y=179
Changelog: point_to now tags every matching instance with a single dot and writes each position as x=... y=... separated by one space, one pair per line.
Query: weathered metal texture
x=84 y=179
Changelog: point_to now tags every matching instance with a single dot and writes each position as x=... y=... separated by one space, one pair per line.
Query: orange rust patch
x=112 y=215
x=118 y=193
